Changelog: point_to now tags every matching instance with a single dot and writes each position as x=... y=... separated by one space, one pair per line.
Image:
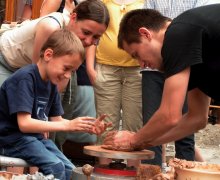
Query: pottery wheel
x=97 y=151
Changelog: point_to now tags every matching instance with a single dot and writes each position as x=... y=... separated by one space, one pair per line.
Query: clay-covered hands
x=100 y=125
x=119 y=141
x=89 y=124
x=82 y=124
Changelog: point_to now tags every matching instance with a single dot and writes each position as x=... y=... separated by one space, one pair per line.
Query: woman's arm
x=49 y=6
x=43 y=30
x=90 y=63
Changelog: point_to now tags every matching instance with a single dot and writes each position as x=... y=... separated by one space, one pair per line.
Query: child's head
x=60 y=55
x=63 y=42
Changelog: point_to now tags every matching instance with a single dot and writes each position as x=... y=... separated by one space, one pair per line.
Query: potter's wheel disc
x=97 y=151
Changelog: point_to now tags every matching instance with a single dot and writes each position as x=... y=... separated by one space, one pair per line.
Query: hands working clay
x=119 y=141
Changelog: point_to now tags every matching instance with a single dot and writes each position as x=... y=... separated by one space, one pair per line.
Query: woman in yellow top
x=115 y=75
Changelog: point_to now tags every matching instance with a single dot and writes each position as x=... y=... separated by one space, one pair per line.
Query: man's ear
x=48 y=54
x=145 y=32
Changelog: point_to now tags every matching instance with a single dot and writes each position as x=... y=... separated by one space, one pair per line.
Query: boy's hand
x=82 y=124
x=101 y=126
x=89 y=124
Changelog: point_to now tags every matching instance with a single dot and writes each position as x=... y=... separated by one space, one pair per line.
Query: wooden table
x=10 y=10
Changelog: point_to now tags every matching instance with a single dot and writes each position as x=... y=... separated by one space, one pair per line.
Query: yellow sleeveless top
x=108 y=52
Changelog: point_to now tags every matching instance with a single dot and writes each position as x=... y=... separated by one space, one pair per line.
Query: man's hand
x=119 y=141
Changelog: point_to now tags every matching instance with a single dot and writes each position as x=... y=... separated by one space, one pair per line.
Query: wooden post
x=10 y=10
x=36 y=5
x=11 y=5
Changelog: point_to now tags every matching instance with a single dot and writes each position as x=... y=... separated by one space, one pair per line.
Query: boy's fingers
x=102 y=117
x=88 y=118
x=109 y=124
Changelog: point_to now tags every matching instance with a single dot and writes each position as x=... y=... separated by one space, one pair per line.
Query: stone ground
x=208 y=142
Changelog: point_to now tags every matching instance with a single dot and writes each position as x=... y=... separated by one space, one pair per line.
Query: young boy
x=31 y=106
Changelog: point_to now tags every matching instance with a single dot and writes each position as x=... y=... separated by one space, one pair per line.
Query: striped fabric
x=29 y=2
x=172 y=8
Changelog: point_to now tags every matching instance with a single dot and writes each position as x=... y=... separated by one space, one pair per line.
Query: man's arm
x=167 y=124
x=195 y=119
x=163 y=120
x=169 y=112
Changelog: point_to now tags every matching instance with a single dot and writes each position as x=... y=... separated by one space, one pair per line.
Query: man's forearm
x=154 y=129
x=186 y=126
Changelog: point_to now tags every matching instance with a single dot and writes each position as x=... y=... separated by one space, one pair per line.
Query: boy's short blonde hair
x=63 y=42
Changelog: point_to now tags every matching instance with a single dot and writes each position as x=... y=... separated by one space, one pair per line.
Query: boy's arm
x=29 y=125
x=81 y=124
x=90 y=63
x=99 y=125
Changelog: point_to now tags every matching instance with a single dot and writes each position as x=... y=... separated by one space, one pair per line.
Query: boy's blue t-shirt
x=25 y=91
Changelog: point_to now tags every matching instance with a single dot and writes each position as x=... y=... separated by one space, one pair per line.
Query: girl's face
x=88 y=31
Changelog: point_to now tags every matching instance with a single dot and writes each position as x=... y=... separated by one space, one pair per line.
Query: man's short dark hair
x=135 y=19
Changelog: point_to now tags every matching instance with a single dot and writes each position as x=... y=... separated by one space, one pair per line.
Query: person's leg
x=185 y=147
x=131 y=99
x=65 y=161
x=69 y=97
x=107 y=90
x=68 y=100
x=152 y=88
x=27 y=12
x=84 y=106
x=44 y=154
x=198 y=155
x=4 y=72
x=131 y=103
